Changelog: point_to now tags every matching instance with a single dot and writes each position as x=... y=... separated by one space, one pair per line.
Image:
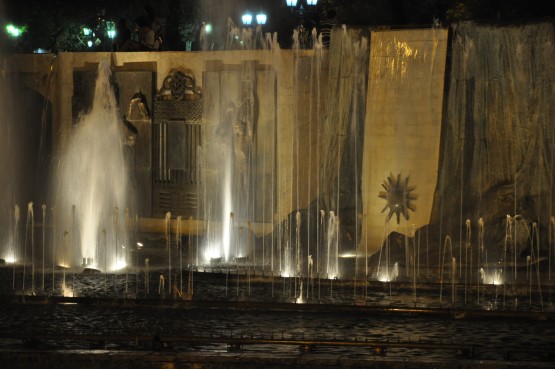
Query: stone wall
x=403 y=126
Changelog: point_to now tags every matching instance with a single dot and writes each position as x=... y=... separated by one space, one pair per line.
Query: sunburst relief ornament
x=398 y=196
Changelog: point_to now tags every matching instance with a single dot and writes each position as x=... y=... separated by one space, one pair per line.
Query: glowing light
x=247 y=19
x=68 y=292
x=15 y=31
x=211 y=253
x=291 y=3
x=10 y=260
x=89 y=43
x=312 y=2
x=208 y=28
x=139 y=245
x=110 y=29
x=495 y=277
x=348 y=255
x=261 y=18
x=119 y=265
x=86 y=31
x=388 y=276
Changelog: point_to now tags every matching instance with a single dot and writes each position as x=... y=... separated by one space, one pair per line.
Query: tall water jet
x=332 y=269
x=91 y=177
x=239 y=115
x=10 y=163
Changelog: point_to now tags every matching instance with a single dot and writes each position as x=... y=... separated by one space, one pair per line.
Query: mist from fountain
x=332 y=242
x=10 y=151
x=231 y=158
x=91 y=182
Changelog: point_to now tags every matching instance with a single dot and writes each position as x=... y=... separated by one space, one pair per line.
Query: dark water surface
x=491 y=336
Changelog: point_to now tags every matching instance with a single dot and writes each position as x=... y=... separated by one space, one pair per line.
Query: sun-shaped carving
x=398 y=196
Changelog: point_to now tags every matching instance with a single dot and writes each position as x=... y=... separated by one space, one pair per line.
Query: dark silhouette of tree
x=55 y=24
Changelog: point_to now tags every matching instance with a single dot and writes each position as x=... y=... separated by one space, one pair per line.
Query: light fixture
x=247 y=19
x=261 y=19
x=15 y=31
x=110 y=29
x=291 y=3
x=311 y=2
x=86 y=31
x=208 y=28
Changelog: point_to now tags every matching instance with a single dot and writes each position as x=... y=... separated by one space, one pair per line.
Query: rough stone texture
x=497 y=141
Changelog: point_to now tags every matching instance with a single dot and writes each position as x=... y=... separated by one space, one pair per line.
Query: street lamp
x=293 y=3
x=304 y=10
x=110 y=29
x=261 y=19
x=247 y=19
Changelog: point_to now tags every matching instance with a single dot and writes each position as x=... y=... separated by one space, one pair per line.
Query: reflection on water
x=490 y=337
x=246 y=285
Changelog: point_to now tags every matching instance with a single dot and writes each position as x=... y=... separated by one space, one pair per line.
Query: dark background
x=54 y=25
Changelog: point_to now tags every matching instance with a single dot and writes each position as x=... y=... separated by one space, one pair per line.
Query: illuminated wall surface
x=380 y=127
x=403 y=124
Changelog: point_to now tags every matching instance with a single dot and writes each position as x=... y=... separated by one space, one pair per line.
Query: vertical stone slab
x=403 y=125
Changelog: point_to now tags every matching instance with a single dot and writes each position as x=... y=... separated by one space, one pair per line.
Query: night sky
x=53 y=24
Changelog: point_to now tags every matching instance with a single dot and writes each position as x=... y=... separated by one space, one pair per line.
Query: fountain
x=92 y=185
x=10 y=142
x=306 y=176
x=305 y=167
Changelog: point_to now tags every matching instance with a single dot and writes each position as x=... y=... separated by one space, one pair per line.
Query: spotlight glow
x=494 y=277
x=348 y=255
x=68 y=292
x=389 y=276
x=212 y=252
x=119 y=265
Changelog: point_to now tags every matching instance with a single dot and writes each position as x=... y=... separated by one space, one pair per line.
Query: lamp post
x=256 y=21
x=299 y=6
x=247 y=19
x=259 y=19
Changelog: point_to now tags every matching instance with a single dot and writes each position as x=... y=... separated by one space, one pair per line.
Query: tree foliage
x=54 y=24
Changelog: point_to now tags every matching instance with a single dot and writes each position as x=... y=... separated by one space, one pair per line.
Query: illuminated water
x=90 y=201
x=155 y=314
